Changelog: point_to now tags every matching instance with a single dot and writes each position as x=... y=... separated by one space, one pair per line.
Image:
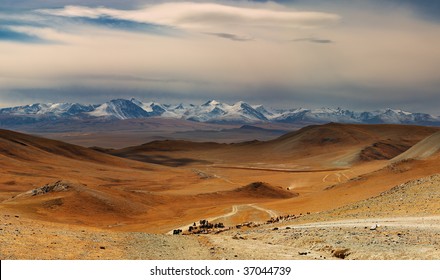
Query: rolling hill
x=134 y=187
x=330 y=145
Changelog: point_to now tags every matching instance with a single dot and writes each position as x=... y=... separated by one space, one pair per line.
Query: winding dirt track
x=427 y=222
x=234 y=211
x=339 y=175
x=392 y=238
x=268 y=169
x=271 y=213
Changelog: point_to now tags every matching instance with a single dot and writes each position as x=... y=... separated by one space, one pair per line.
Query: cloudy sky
x=354 y=54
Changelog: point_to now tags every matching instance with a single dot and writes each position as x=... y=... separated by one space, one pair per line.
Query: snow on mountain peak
x=120 y=109
x=213 y=111
x=212 y=103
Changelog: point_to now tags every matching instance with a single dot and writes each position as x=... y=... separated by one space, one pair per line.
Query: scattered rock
x=58 y=186
x=341 y=253
x=202 y=174
x=102 y=248
x=302 y=253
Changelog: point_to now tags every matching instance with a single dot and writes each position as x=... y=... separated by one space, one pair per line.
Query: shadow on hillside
x=167 y=161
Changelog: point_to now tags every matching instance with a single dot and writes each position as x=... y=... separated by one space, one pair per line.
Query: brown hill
x=158 y=152
x=58 y=182
x=68 y=202
x=263 y=190
x=329 y=145
x=109 y=190
x=105 y=188
x=336 y=135
x=382 y=150
x=19 y=146
x=59 y=186
x=423 y=149
x=171 y=146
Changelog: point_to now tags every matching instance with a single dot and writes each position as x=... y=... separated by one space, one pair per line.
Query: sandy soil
x=368 y=229
x=394 y=238
x=402 y=223
x=23 y=238
x=126 y=204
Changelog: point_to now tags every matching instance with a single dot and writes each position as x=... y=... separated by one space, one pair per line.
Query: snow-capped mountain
x=55 y=109
x=211 y=111
x=319 y=115
x=154 y=109
x=397 y=117
x=120 y=109
x=214 y=111
x=325 y=115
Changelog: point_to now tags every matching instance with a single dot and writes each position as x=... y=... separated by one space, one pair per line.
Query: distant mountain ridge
x=211 y=112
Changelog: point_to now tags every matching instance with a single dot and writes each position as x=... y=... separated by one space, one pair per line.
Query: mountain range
x=209 y=112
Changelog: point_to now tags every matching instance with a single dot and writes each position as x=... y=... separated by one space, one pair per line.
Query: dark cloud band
x=7 y=34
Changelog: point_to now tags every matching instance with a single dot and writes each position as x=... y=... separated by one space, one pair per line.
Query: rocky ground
x=402 y=223
x=359 y=239
x=22 y=238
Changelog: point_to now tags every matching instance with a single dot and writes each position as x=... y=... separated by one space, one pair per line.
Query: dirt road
x=428 y=222
x=381 y=238
x=234 y=211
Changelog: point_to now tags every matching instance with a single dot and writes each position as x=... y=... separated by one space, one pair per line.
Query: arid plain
x=320 y=192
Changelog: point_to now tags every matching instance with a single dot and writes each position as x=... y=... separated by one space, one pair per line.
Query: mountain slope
x=25 y=147
x=423 y=149
x=329 y=145
x=120 y=109
x=55 y=181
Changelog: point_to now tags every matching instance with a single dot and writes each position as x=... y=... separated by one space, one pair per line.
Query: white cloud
x=386 y=55
x=206 y=16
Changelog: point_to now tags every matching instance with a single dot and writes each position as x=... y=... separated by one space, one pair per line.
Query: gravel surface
x=22 y=238
x=402 y=223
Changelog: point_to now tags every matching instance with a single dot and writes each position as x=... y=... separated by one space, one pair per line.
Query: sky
x=360 y=55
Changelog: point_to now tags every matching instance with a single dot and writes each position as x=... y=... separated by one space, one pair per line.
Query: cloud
x=203 y=16
x=288 y=54
x=14 y=5
x=313 y=40
x=128 y=25
x=230 y=36
x=7 y=34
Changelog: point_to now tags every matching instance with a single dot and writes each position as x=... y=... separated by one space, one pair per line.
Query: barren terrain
x=62 y=201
